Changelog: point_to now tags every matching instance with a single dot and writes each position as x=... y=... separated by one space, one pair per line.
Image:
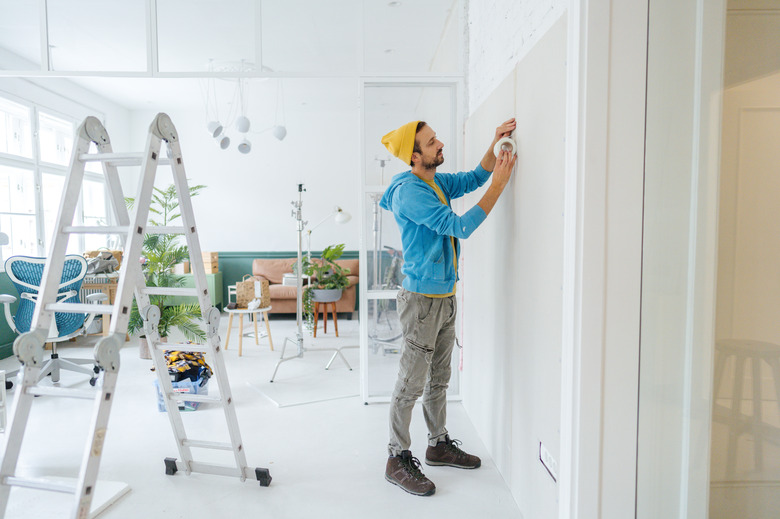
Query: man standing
x=420 y=200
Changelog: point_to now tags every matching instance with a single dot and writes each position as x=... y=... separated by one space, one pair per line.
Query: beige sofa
x=283 y=298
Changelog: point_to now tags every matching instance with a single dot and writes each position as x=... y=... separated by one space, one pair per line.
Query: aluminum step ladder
x=29 y=346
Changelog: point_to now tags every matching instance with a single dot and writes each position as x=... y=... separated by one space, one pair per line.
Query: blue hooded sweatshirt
x=426 y=225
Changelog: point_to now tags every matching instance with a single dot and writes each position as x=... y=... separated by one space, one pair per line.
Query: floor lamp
x=298 y=340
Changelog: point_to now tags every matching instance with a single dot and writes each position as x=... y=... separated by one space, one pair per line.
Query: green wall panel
x=234 y=265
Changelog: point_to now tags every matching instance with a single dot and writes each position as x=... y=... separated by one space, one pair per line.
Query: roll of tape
x=505 y=143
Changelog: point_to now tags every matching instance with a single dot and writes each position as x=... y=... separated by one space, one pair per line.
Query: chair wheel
x=96 y=369
x=8 y=385
x=92 y=381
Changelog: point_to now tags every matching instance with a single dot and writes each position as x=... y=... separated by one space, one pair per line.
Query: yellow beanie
x=400 y=142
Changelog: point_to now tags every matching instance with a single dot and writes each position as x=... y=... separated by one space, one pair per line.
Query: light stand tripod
x=298 y=341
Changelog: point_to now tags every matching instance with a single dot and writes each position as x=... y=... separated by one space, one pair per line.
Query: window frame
x=39 y=167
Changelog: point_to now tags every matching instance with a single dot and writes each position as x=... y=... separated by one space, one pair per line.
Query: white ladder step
x=194 y=348
x=96 y=229
x=220 y=470
x=168 y=291
x=69 y=392
x=79 y=308
x=40 y=484
x=208 y=445
x=120 y=159
x=165 y=230
x=194 y=398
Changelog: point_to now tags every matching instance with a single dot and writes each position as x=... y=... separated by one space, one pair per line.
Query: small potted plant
x=328 y=279
x=161 y=252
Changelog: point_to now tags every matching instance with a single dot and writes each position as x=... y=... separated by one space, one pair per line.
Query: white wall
x=246 y=206
x=685 y=60
x=501 y=32
x=512 y=270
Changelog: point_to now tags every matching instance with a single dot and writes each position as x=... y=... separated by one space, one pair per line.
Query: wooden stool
x=325 y=316
x=255 y=312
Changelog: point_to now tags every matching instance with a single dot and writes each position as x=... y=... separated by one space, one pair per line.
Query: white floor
x=326 y=458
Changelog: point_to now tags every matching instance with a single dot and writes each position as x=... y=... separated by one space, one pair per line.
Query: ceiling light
x=242 y=124
x=214 y=128
x=245 y=146
x=280 y=132
x=223 y=142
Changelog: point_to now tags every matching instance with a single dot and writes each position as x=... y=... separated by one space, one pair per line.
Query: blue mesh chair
x=26 y=274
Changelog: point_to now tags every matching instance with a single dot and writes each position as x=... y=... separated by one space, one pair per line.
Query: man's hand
x=504 y=130
x=489 y=160
x=504 y=166
x=501 y=176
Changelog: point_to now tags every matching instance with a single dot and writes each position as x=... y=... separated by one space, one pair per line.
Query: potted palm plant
x=160 y=253
x=328 y=280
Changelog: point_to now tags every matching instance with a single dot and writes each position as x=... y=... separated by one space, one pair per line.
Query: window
x=15 y=134
x=93 y=212
x=32 y=179
x=17 y=209
x=56 y=139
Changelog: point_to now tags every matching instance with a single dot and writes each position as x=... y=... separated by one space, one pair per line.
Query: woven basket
x=245 y=291
x=249 y=289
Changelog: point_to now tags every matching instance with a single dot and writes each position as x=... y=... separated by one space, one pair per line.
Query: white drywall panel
x=513 y=278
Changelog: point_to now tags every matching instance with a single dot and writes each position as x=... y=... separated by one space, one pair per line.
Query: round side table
x=241 y=312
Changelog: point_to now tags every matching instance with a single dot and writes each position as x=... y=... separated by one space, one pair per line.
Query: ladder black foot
x=263 y=476
x=170 y=466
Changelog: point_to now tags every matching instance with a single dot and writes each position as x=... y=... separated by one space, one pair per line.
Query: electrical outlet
x=548 y=461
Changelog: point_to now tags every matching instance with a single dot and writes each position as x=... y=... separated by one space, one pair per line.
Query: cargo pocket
x=424 y=305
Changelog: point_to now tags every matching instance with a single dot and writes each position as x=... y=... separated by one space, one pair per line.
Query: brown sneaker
x=404 y=471
x=448 y=453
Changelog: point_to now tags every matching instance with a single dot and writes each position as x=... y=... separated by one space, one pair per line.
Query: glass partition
x=90 y=35
x=387 y=106
x=219 y=34
x=20 y=38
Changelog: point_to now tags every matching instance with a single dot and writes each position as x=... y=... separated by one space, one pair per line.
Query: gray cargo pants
x=428 y=326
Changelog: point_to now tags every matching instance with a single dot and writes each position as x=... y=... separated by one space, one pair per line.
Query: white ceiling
x=315 y=38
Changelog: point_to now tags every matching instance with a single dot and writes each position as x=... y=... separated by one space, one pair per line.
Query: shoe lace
x=412 y=466
x=453 y=445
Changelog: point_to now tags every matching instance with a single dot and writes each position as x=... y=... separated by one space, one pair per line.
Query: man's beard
x=436 y=162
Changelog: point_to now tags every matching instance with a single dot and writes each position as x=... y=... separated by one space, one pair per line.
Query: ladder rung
x=62 y=391
x=79 y=308
x=207 y=445
x=194 y=398
x=168 y=291
x=97 y=229
x=167 y=346
x=165 y=230
x=219 y=470
x=120 y=159
x=40 y=484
